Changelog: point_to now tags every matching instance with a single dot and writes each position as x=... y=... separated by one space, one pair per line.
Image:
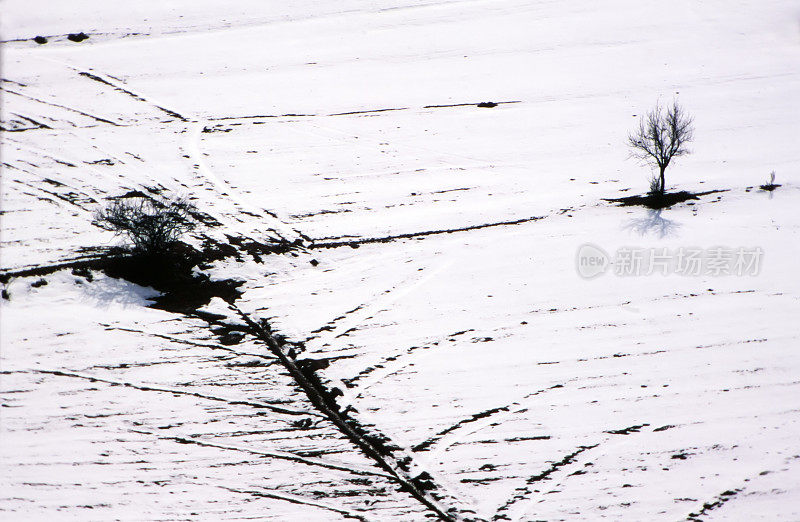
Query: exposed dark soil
x=489 y=104
x=77 y=37
x=769 y=187
x=355 y=243
x=183 y=290
x=41 y=40
x=378 y=447
x=628 y=430
x=658 y=201
x=171 y=273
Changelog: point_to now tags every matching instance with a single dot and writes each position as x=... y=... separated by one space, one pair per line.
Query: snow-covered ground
x=461 y=328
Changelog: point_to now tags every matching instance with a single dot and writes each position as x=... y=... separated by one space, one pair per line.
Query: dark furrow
x=386 y=239
x=38 y=125
x=365 y=111
x=476 y=417
x=269 y=358
x=351 y=382
x=96 y=118
x=282 y=455
x=86 y=261
x=721 y=499
x=443 y=106
x=174 y=391
x=523 y=492
x=131 y=94
x=325 y=402
x=370 y=111
x=297 y=500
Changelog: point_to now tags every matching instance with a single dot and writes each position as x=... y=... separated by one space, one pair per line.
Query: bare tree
x=661 y=136
x=153 y=227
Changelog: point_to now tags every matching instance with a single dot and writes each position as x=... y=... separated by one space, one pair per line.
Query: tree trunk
x=661 y=177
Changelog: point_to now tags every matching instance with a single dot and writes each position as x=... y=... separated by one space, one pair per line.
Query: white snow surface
x=526 y=391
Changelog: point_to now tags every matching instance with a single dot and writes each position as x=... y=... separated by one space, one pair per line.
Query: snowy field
x=435 y=278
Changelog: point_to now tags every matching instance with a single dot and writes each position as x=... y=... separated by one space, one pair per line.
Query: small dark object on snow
x=314 y=262
x=769 y=187
x=77 y=37
x=424 y=481
x=231 y=338
x=312 y=365
x=38 y=283
x=303 y=424
x=83 y=272
x=487 y=105
x=5 y=295
x=40 y=40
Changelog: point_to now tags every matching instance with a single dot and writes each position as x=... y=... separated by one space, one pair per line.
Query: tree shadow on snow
x=657 y=201
x=654 y=224
x=105 y=291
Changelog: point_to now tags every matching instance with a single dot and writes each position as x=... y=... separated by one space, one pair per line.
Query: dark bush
x=152 y=227
x=77 y=37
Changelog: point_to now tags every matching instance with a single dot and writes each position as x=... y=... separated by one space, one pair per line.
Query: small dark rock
x=83 y=272
x=424 y=481
x=231 y=338
x=312 y=365
x=5 y=295
x=41 y=40
x=38 y=283
x=77 y=37
x=314 y=262
x=302 y=424
x=487 y=105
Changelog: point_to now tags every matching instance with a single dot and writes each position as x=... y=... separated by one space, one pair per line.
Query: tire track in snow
x=390 y=365
x=367 y=310
x=191 y=148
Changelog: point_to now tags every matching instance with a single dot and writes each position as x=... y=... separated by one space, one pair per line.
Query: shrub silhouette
x=154 y=228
